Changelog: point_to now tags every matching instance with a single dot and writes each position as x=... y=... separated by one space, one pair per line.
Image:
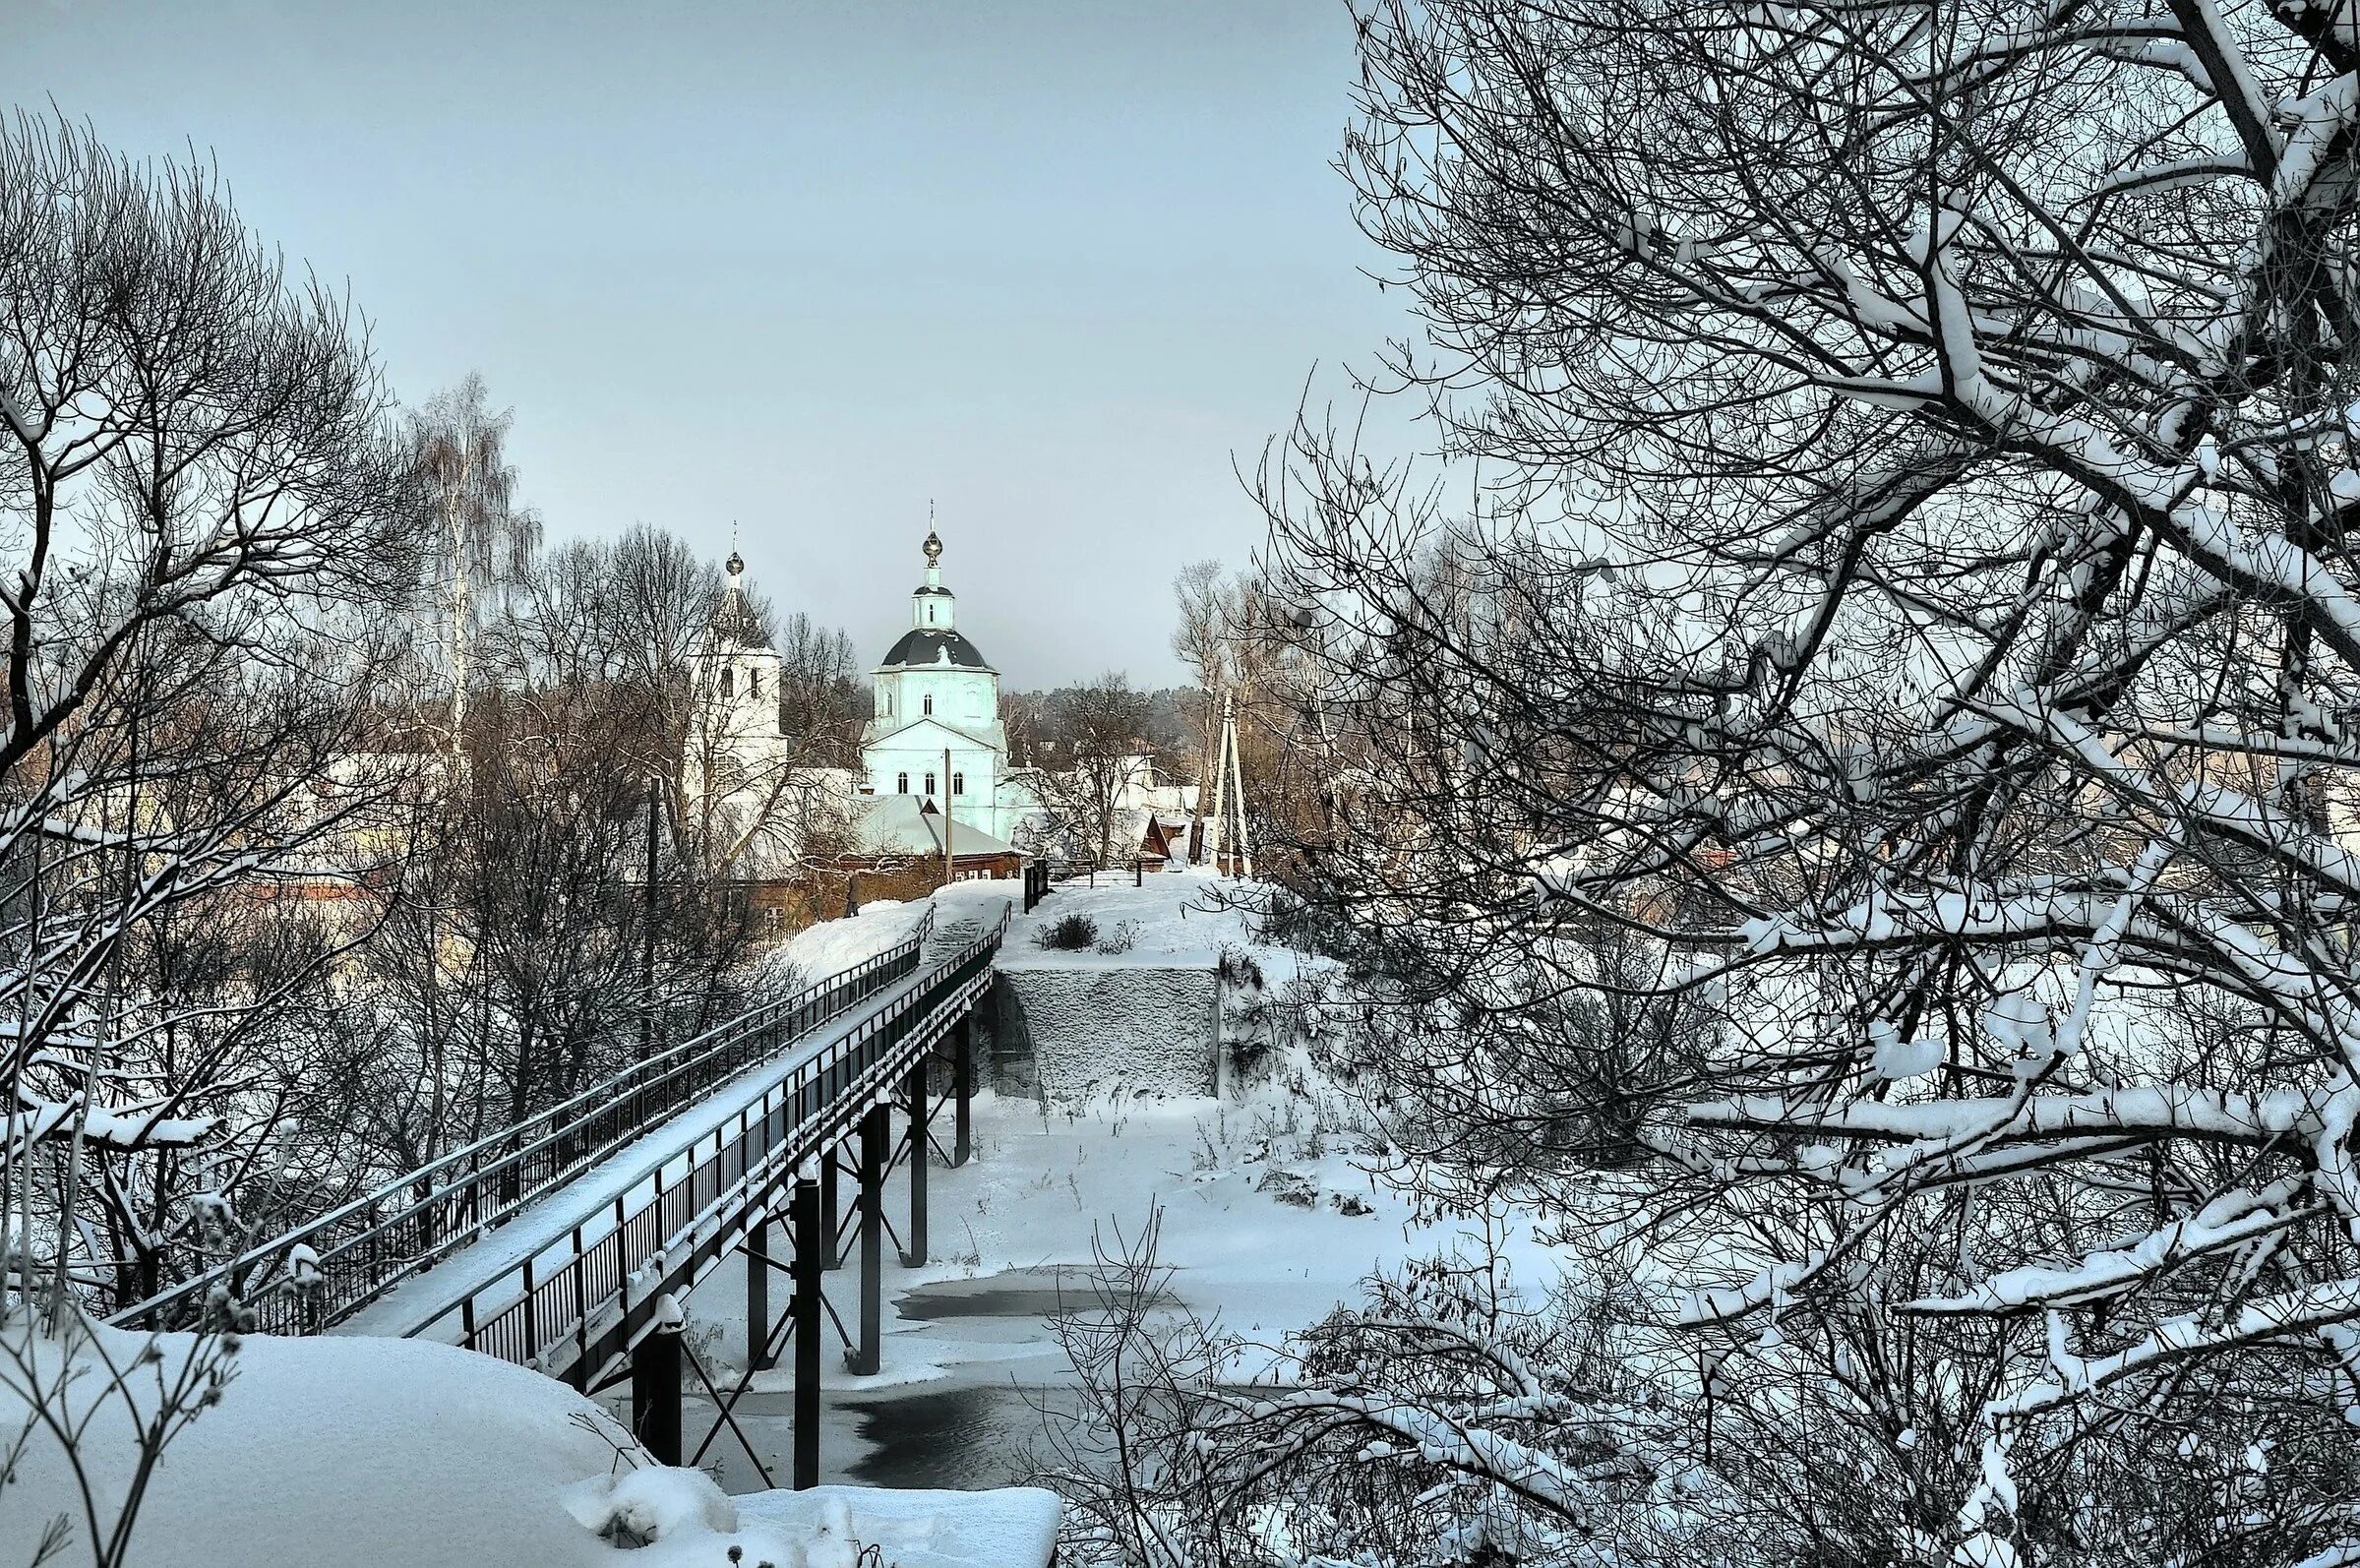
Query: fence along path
x=323 y=1271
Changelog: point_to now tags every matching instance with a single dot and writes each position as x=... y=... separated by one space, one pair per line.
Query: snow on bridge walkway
x=583 y=1212
x=550 y=1242
x=572 y=1282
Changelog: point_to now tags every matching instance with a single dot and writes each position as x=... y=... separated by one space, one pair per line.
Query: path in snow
x=545 y=1227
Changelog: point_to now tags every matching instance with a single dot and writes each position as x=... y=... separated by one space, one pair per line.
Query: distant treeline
x=1043 y=729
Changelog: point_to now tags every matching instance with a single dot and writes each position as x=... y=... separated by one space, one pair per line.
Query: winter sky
x=1052 y=263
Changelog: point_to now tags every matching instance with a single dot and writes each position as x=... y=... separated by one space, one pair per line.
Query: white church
x=936 y=741
x=933 y=745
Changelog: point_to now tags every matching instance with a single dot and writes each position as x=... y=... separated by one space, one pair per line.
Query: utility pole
x=951 y=864
x=647 y=936
x=1220 y=762
x=1234 y=858
x=1245 y=857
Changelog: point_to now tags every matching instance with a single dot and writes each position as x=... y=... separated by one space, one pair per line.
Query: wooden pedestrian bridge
x=566 y=1242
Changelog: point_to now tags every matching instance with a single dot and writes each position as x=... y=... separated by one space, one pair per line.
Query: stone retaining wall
x=1068 y=1031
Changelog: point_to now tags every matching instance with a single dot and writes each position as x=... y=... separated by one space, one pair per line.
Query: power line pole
x=1234 y=857
x=1220 y=762
x=1243 y=861
x=647 y=936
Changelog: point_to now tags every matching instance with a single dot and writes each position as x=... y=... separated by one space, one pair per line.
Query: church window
x=929 y=615
x=930 y=783
x=901 y=783
x=727 y=677
x=929 y=704
x=958 y=783
x=754 y=682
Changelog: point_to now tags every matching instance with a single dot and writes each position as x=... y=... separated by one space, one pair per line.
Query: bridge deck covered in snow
x=561 y=1243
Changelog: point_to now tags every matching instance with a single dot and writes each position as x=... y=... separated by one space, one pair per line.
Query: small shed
x=1159 y=843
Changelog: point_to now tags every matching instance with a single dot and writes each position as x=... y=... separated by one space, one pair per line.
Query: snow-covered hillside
x=403 y=1454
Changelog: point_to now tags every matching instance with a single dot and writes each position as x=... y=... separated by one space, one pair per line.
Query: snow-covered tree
x=1909 y=593
x=204 y=515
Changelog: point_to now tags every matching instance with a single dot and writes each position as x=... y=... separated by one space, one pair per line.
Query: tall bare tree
x=1098 y=725
x=484 y=537
x=206 y=516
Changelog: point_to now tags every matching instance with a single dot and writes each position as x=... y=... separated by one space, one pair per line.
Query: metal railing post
x=581 y=1313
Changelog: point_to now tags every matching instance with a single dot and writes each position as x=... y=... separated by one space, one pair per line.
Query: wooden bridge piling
x=758 y=1291
x=962 y=1089
x=655 y=1401
x=829 y=1256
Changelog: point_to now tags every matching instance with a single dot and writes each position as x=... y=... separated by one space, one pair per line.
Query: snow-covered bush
x=1068 y=934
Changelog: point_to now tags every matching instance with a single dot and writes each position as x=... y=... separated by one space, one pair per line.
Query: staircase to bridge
x=566 y=1243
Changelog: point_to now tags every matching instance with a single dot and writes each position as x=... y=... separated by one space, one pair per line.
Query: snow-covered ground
x=1270 y=1216
x=403 y=1454
x=834 y=945
x=1171 y=918
x=1272 y=1204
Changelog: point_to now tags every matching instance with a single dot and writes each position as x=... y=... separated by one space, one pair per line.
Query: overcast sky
x=1052 y=263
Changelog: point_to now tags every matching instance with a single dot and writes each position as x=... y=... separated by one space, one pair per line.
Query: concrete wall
x=1067 y=1031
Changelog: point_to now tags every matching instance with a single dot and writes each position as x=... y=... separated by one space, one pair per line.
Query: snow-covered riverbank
x=1270 y=1216
x=404 y=1454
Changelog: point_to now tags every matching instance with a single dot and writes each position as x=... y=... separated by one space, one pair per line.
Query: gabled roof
x=926 y=645
x=901 y=825
x=880 y=732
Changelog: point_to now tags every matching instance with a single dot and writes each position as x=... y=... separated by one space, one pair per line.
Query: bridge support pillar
x=921 y=1154
x=655 y=1392
x=758 y=1292
x=810 y=1226
x=828 y=1257
x=876 y=1131
x=962 y=1086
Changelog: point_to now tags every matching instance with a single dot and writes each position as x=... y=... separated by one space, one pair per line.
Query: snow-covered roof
x=900 y=824
x=928 y=646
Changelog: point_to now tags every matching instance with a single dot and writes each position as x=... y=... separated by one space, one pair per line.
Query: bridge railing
x=328 y=1267
x=578 y=1310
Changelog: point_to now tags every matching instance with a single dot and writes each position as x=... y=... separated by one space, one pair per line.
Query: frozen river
x=1265 y=1224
